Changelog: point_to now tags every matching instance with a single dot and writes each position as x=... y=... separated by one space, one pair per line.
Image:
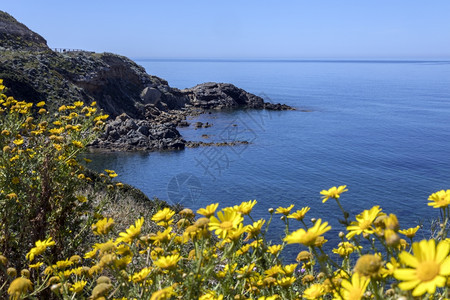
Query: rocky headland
x=144 y=110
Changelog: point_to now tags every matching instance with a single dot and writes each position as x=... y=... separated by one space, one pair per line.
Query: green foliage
x=40 y=177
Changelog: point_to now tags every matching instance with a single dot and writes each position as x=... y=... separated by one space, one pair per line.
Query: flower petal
x=405 y=274
x=445 y=267
x=408 y=285
x=408 y=259
x=442 y=251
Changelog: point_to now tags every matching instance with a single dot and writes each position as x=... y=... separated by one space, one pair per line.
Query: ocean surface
x=380 y=127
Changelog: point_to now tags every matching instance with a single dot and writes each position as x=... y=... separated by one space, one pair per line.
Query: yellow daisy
x=354 y=289
x=164 y=217
x=168 y=262
x=228 y=220
x=429 y=267
x=334 y=192
x=440 y=199
x=78 y=286
x=315 y=291
x=141 y=275
x=284 y=210
x=410 y=232
x=40 y=248
x=364 y=222
x=246 y=207
x=103 y=226
x=209 y=210
x=299 y=214
x=274 y=249
x=131 y=233
x=309 y=237
x=345 y=249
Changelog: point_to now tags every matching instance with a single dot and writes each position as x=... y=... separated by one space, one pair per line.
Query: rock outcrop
x=144 y=110
x=15 y=35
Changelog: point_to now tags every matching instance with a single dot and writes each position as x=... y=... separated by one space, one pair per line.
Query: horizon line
x=331 y=60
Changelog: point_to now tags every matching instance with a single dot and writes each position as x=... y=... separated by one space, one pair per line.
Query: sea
x=382 y=128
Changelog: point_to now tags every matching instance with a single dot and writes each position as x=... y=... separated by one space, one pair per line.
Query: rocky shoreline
x=144 y=110
x=157 y=131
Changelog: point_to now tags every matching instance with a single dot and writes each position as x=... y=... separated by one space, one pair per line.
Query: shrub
x=40 y=176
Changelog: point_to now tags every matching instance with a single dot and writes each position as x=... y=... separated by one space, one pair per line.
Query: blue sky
x=314 y=29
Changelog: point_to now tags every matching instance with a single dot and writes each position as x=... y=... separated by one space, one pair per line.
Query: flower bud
x=25 y=273
x=3 y=260
x=12 y=272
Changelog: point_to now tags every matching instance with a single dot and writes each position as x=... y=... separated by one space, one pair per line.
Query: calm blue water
x=381 y=128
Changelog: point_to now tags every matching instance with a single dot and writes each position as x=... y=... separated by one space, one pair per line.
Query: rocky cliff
x=144 y=109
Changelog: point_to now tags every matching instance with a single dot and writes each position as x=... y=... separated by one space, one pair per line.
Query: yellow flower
x=228 y=220
x=141 y=275
x=163 y=294
x=228 y=269
x=334 y=192
x=440 y=199
x=364 y=222
x=57 y=130
x=284 y=210
x=168 y=262
x=390 y=267
x=36 y=265
x=429 y=267
x=244 y=249
x=345 y=248
x=246 y=207
x=19 y=287
x=211 y=295
x=18 y=142
x=255 y=229
x=164 y=217
x=354 y=289
x=299 y=214
x=77 y=144
x=42 y=111
x=274 y=297
x=274 y=249
x=289 y=269
x=103 y=226
x=78 y=286
x=81 y=198
x=209 y=210
x=246 y=271
x=286 y=281
x=131 y=233
x=162 y=237
x=11 y=196
x=410 y=232
x=62 y=264
x=78 y=104
x=40 y=104
x=315 y=291
x=40 y=248
x=309 y=237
